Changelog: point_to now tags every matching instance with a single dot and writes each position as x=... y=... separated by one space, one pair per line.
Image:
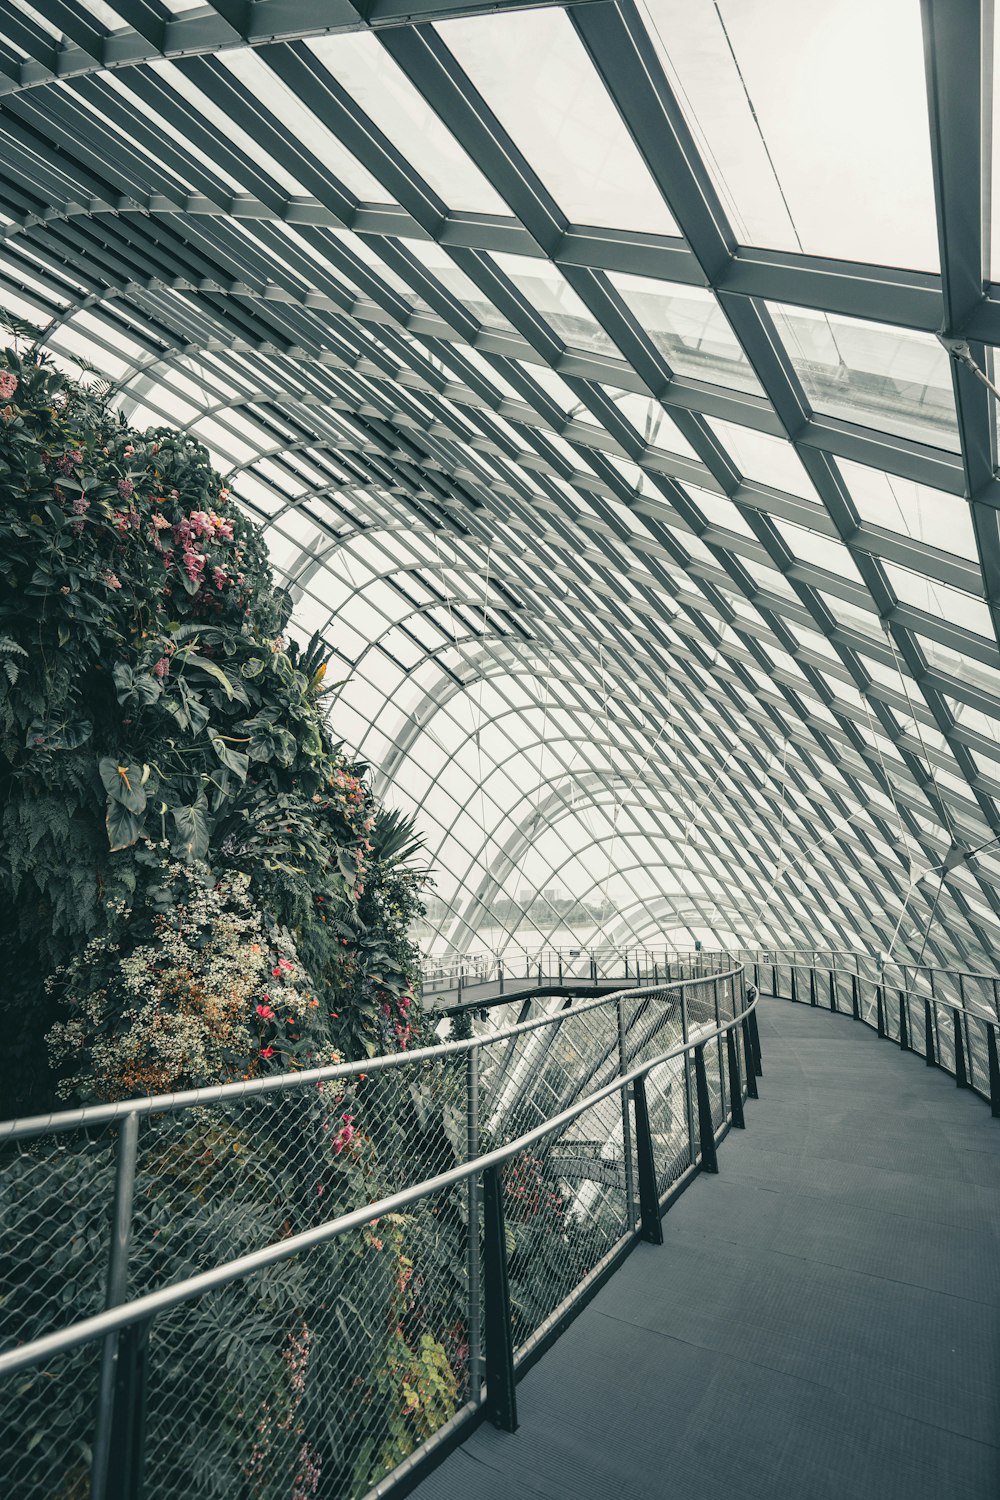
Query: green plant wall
x=197 y=884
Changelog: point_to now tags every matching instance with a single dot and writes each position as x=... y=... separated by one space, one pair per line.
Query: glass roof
x=610 y=382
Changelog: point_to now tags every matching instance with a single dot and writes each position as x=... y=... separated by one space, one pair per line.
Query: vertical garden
x=198 y=887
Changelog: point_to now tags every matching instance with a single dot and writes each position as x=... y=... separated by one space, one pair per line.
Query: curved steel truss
x=608 y=379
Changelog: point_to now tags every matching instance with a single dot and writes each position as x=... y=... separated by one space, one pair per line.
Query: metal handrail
x=971 y=1032
x=855 y=954
x=148 y=1305
x=103 y=1114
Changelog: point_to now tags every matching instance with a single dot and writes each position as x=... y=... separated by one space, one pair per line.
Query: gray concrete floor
x=822 y=1322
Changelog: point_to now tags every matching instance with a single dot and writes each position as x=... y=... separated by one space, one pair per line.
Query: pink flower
x=160 y=522
x=344 y=1135
x=112 y=580
x=220 y=577
x=126 y=488
x=128 y=450
x=8 y=385
x=81 y=505
x=162 y=667
x=265 y=1012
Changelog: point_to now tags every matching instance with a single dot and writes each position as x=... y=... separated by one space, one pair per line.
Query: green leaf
x=189 y=712
x=192 y=659
x=129 y=684
x=123 y=826
x=124 y=784
x=193 y=829
x=237 y=762
x=46 y=735
x=253 y=667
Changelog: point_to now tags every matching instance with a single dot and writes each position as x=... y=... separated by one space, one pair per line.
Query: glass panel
x=939 y=600
x=812 y=121
x=359 y=62
x=719 y=510
x=299 y=124
x=550 y=293
x=825 y=552
x=894 y=379
x=536 y=77
x=769 y=460
x=689 y=328
x=914 y=510
x=652 y=421
x=461 y=287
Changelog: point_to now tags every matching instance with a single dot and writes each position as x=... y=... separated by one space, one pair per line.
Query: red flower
x=267 y=1051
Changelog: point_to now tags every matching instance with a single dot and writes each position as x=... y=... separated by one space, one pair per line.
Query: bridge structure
x=730 y=1233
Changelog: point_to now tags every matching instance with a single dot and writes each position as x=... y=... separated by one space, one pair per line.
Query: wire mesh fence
x=323 y=1372
x=951 y=1019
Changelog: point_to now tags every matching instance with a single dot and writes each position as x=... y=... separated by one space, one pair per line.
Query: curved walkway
x=822 y=1322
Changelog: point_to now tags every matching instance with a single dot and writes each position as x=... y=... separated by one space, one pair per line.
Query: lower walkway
x=822 y=1322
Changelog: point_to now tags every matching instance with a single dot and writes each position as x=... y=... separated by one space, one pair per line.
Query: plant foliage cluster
x=174 y=810
x=198 y=886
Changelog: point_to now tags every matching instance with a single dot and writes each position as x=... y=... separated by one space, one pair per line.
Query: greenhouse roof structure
x=612 y=381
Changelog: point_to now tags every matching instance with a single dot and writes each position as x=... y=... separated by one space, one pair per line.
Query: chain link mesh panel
x=566 y=1204
x=319 y=1375
x=221 y=1180
x=56 y=1195
x=323 y=1372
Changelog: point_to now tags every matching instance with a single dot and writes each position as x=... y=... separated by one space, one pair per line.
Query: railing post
x=114 y=1296
x=706 y=1125
x=735 y=1082
x=833 y=991
x=904 y=1019
x=718 y=1042
x=755 y=1044
x=879 y=1011
x=126 y=1458
x=961 y=1080
x=501 y=976
x=855 y=998
x=795 y=985
x=560 y=967
x=474 y=1243
x=688 y=1098
x=751 y=1065
x=501 y=1397
x=991 y=1048
x=650 y=1226
x=626 y=1118
x=812 y=987
x=929 y=1034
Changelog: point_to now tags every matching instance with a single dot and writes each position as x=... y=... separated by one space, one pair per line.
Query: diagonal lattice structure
x=609 y=380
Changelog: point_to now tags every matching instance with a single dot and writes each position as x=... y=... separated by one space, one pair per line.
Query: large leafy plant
x=159 y=735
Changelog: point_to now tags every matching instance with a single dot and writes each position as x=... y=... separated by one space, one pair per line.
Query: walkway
x=512 y=990
x=822 y=1322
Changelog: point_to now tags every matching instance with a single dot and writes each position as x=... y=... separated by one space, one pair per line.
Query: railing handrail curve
x=87 y=1330
x=102 y=1114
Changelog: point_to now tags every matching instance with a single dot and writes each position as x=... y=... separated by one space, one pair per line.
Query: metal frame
x=525 y=541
